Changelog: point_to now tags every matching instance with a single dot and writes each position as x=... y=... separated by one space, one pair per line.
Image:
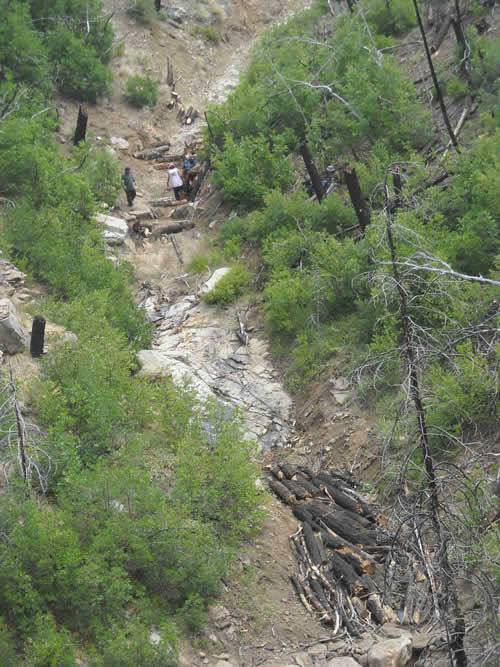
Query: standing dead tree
x=20 y=440
x=442 y=513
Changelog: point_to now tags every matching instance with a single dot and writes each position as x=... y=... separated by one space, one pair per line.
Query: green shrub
x=78 y=69
x=229 y=287
x=456 y=88
x=48 y=644
x=247 y=170
x=142 y=91
x=131 y=645
x=8 y=656
x=391 y=17
x=198 y=263
x=207 y=32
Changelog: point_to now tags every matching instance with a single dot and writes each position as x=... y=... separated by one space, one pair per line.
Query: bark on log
x=81 y=125
x=309 y=486
x=345 y=573
x=276 y=471
x=163 y=202
x=300 y=592
x=302 y=513
x=289 y=471
x=312 y=544
x=325 y=616
x=37 y=336
x=358 y=202
x=298 y=490
x=172 y=229
x=342 y=499
x=282 y=492
x=348 y=533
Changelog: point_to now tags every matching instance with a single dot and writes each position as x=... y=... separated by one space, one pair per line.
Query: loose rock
x=115 y=229
x=390 y=653
x=13 y=337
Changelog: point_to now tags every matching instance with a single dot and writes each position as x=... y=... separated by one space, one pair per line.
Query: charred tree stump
x=441 y=35
x=311 y=170
x=354 y=188
x=37 y=336
x=396 y=181
x=282 y=492
x=298 y=490
x=157 y=5
x=81 y=125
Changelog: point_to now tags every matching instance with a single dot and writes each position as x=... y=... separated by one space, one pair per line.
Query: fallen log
x=344 y=544
x=325 y=616
x=163 y=161
x=172 y=229
x=309 y=486
x=300 y=592
x=163 y=201
x=342 y=498
x=302 y=513
x=276 y=471
x=348 y=533
x=151 y=153
x=282 y=492
x=296 y=488
x=289 y=471
x=345 y=573
x=312 y=544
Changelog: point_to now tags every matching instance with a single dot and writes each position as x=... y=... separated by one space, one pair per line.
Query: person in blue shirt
x=129 y=185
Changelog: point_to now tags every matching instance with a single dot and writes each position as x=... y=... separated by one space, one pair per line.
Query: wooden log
x=172 y=229
x=282 y=492
x=348 y=533
x=300 y=592
x=276 y=471
x=325 y=616
x=344 y=544
x=302 y=513
x=163 y=202
x=309 y=486
x=151 y=153
x=81 y=125
x=320 y=593
x=343 y=499
x=330 y=540
x=375 y=608
x=312 y=544
x=37 y=336
x=289 y=471
x=360 y=566
x=357 y=199
x=345 y=573
x=296 y=488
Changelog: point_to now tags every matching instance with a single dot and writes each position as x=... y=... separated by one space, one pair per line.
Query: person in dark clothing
x=129 y=185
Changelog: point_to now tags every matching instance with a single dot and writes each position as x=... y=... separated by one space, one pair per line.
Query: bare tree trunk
x=311 y=169
x=362 y=212
x=81 y=125
x=434 y=79
x=456 y=634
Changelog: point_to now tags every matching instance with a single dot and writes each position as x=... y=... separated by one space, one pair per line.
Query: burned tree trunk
x=199 y=180
x=81 y=125
x=311 y=170
x=354 y=188
x=157 y=5
x=37 y=336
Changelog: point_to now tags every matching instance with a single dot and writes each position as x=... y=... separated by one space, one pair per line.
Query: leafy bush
x=229 y=287
x=207 y=32
x=142 y=91
x=78 y=69
x=249 y=169
x=131 y=645
x=142 y=10
x=391 y=17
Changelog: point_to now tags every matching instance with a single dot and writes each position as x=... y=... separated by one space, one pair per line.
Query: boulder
x=115 y=229
x=119 y=142
x=13 y=337
x=181 y=211
x=391 y=653
x=214 y=279
x=10 y=275
x=344 y=661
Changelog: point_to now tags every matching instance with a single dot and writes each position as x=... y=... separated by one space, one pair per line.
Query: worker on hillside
x=129 y=185
x=175 y=181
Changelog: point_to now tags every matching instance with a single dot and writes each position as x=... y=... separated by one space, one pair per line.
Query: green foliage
x=250 y=168
x=79 y=72
x=456 y=88
x=49 y=645
x=208 y=33
x=391 y=17
x=229 y=287
x=8 y=656
x=131 y=645
x=199 y=263
x=101 y=171
x=142 y=91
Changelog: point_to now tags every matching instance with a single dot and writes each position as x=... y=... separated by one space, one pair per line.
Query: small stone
x=303 y=659
x=344 y=661
x=13 y=337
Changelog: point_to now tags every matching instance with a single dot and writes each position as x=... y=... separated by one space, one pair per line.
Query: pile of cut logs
x=340 y=549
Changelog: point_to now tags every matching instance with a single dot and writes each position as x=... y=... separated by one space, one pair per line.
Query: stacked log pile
x=340 y=549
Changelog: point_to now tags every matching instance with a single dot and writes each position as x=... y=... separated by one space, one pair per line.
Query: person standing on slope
x=175 y=181
x=129 y=185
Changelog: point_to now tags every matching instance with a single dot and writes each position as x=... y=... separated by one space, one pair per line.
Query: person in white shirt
x=175 y=181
